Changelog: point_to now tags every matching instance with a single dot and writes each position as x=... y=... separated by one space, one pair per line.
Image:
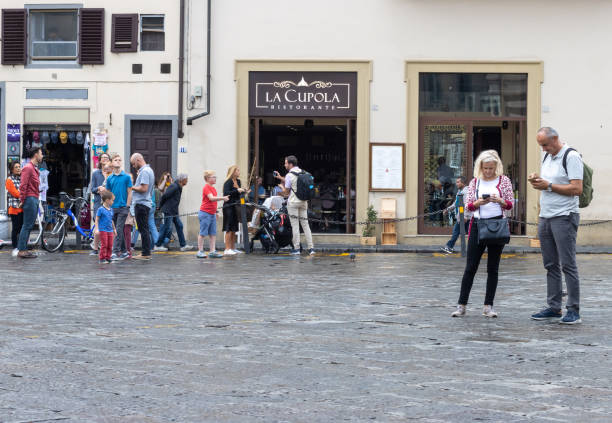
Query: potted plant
x=368 y=236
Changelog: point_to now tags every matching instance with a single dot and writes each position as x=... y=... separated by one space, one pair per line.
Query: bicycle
x=36 y=237
x=54 y=239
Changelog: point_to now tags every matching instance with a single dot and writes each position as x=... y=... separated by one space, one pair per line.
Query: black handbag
x=493 y=231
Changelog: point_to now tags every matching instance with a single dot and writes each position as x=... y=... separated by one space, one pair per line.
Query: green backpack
x=587 y=180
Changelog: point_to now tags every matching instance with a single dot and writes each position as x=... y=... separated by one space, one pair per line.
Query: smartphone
x=485 y=196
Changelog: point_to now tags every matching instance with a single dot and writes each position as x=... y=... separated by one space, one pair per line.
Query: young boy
x=105 y=227
x=208 y=215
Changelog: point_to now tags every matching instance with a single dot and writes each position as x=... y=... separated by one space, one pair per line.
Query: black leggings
x=474 y=254
x=17 y=223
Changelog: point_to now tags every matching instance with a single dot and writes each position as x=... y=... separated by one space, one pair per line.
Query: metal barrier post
x=461 y=223
x=245 y=229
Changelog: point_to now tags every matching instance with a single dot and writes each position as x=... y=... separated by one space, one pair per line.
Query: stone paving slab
x=284 y=339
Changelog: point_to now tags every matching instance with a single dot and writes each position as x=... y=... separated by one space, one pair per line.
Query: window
x=152 y=37
x=53 y=35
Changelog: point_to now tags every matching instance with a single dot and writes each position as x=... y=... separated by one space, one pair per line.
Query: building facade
x=386 y=99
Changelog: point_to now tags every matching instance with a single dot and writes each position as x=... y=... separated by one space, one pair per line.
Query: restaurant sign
x=313 y=94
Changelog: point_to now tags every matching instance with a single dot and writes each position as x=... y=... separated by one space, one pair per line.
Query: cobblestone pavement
x=285 y=339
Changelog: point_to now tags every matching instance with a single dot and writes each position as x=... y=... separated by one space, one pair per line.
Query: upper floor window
x=152 y=36
x=53 y=35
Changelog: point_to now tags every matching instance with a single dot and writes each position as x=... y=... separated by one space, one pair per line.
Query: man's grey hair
x=181 y=177
x=548 y=132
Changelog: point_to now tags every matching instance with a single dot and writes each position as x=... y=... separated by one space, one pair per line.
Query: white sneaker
x=201 y=254
x=488 y=311
x=460 y=312
x=160 y=248
x=229 y=252
x=15 y=252
x=238 y=251
x=187 y=247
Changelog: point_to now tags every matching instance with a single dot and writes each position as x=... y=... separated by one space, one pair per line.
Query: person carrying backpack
x=299 y=185
x=561 y=184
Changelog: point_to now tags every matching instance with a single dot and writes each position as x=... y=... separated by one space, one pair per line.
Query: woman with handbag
x=490 y=197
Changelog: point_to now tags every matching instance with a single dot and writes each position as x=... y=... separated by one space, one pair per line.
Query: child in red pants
x=105 y=227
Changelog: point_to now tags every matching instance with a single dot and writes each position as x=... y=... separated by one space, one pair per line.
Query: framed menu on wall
x=387 y=167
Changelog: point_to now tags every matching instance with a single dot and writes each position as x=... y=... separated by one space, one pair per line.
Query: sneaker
x=161 y=248
x=238 y=251
x=488 y=311
x=125 y=255
x=201 y=254
x=215 y=254
x=311 y=251
x=94 y=253
x=26 y=254
x=114 y=257
x=187 y=247
x=460 y=312
x=229 y=252
x=547 y=314
x=295 y=252
x=15 y=252
x=104 y=261
x=141 y=257
x=571 y=318
x=447 y=250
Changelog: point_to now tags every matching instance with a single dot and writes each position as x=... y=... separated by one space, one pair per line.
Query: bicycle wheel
x=53 y=239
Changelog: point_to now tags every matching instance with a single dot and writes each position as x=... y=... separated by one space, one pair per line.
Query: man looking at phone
x=558 y=226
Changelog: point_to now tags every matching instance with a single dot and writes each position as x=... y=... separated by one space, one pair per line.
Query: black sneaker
x=547 y=314
x=447 y=250
x=94 y=253
x=571 y=318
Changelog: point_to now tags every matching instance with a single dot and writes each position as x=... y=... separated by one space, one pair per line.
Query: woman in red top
x=14 y=211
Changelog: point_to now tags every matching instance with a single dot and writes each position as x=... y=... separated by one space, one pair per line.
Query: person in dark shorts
x=232 y=188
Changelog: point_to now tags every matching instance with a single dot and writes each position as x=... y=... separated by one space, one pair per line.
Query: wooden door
x=153 y=139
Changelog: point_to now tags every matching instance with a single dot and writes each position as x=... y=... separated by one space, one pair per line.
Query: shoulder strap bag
x=492 y=231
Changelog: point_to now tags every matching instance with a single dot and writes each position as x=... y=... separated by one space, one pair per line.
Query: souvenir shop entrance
x=66 y=157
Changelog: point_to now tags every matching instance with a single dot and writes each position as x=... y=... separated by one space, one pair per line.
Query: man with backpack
x=300 y=187
x=561 y=184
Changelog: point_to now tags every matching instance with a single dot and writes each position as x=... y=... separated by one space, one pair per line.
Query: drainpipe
x=181 y=70
x=207 y=112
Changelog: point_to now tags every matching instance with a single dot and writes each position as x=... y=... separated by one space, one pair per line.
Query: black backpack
x=305 y=185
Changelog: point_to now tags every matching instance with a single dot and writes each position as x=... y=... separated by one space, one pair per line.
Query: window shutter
x=124 y=36
x=91 y=36
x=14 y=36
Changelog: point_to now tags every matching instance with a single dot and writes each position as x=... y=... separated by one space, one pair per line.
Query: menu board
x=387 y=167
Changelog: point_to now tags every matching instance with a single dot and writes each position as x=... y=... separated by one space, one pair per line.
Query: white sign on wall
x=387 y=167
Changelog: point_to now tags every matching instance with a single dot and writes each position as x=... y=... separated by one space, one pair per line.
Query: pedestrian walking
x=467 y=215
x=98 y=177
x=296 y=207
x=15 y=212
x=143 y=189
x=155 y=198
x=29 y=190
x=232 y=188
x=489 y=197
x=208 y=216
x=120 y=184
x=105 y=227
x=560 y=184
x=169 y=204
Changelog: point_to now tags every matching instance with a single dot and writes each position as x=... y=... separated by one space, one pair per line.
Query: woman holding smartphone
x=490 y=196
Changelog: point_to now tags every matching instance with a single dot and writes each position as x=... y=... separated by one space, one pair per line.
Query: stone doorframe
x=535 y=77
x=363 y=68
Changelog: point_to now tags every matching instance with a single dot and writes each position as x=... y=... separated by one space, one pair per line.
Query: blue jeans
x=30 y=211
x=456 y=232
x=166 y=231
x=152 y=229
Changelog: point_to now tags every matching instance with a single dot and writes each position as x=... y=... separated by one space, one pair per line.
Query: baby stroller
x=275 y=231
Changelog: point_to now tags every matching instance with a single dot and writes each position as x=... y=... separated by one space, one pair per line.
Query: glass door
x=445 y=154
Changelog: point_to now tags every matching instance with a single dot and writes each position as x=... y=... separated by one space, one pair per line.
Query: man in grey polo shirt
x=559 y=219
x=141 y=197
